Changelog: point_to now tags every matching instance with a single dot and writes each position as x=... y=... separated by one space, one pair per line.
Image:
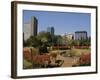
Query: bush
x=85 y=59
x=34 y=51
x=43 y=49
x=27 y=64
x=29 y=52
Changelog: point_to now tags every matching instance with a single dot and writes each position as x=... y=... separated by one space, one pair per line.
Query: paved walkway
x=68 y=61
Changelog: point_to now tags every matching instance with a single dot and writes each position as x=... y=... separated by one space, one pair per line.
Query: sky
x=63 y=22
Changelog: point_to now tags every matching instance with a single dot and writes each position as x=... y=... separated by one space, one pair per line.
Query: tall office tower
x=34 y=24
x=51 y=30
x=30 y=29
x=80 y=35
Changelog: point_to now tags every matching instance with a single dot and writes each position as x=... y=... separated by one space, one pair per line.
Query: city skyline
x=62 y=22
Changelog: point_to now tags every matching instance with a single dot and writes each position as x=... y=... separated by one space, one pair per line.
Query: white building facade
x=31 y=28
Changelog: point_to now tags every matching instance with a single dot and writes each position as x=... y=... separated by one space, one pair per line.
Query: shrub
x=85 y=59
x=43 y=49
x=29 y=52
x=27 y=64
x=34 y=51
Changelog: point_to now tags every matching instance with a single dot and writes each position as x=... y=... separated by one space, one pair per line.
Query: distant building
x=80 y=35
x=30 y=29
x=67 y=38
x=34 y=26
x=51 y=30
x=27 y=31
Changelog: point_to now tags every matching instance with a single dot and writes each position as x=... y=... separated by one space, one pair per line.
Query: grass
x=78 y=52
x=27 y=64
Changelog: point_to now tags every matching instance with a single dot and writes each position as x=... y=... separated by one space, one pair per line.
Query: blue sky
x=63 y=22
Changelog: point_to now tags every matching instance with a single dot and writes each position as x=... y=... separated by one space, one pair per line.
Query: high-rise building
x=80 y=35
x=34 y=24
x=30 y=29
x=51 y=30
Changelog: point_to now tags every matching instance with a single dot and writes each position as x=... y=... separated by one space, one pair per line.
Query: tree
x=28 y=42
x=46 y=40
x=70 y=43
x=45 y=37
x=32 y=42
x=57 y=39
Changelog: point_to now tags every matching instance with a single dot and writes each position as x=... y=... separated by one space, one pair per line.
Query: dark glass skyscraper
x=34 y=24
x=51 y=30
x=80 y=35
